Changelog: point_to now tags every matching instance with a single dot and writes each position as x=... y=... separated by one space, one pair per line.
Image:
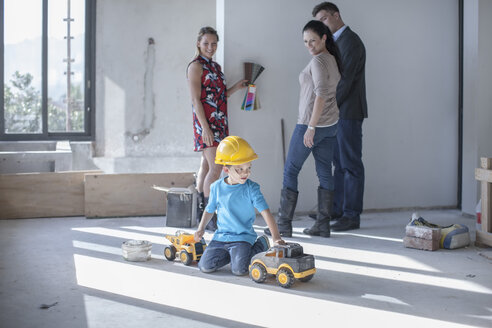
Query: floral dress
x=214 y=101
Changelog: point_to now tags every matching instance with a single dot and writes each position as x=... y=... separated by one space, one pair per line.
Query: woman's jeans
x=239 y=254
x=324 y=145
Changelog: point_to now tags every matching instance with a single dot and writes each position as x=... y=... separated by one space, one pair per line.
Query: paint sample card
x=251 y=73
x=249 y=98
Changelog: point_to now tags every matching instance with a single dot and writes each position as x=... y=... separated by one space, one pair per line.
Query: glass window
x=66 y=37
x=22 y=66
x=47 y=69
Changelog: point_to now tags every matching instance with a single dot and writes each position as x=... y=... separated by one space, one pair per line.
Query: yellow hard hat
x=234 y=150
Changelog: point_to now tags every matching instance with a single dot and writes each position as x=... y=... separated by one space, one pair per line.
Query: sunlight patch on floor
x=384 y=298
x=366 y=257
x=396 y=240
x=97 y=247
x=159 y=230
x=402 y=276
x=298 y=233
x=127 y=235
x=251 y=305
x=106 y=249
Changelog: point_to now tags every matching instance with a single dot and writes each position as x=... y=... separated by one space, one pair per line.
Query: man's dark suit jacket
x=351 y=90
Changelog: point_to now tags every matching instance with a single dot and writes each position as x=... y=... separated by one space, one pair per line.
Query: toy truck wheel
x=285 y=278
x=185 y=257
x=258 y=273
x=306 y=278
x=170 y=253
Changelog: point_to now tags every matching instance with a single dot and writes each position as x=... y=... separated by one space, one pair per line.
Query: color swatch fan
x=251 y=72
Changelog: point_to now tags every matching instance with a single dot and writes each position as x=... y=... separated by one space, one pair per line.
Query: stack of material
x=421 y=234
x=455 y=236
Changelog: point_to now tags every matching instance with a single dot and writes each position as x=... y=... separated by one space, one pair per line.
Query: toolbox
x=181 y=206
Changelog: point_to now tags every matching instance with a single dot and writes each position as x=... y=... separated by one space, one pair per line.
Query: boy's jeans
x=239 y=254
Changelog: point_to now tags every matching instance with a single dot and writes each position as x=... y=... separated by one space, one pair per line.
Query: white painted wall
x=410 y=139
x=477 y=98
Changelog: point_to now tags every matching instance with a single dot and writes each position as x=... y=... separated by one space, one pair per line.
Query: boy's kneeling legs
x=240 y=257
x=214 y=257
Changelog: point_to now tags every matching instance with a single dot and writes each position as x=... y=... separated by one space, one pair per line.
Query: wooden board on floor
x=111 y=195
x=37 y=195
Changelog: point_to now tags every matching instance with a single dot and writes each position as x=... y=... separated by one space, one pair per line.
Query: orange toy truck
x=184 y=244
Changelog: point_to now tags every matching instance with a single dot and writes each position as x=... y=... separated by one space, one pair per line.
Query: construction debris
x=422 y=234
x=455 y=236
x=47 y=306
x=136 y=250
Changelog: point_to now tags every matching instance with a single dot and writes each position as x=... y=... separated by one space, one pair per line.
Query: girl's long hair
x=321 y=29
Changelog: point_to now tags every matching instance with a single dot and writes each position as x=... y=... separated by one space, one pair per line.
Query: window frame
x=89 y=82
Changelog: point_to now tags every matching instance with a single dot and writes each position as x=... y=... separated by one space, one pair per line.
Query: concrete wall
x=35 y=156
x=410 y=139
x=143 y=119
x=477 y=98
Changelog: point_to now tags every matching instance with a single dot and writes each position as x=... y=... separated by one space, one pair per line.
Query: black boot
x=200 y=206
x=334 y=217
x=346 y=223
x=288 y=202
x=322 y=225
x=212 y=224
x=202 y=203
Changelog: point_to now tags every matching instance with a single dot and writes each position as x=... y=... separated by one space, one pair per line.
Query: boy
x=235 y=198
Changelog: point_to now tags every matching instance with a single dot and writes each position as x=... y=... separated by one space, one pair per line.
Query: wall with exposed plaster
x=143 y=117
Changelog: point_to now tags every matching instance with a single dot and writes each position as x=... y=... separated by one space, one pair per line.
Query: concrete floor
x=74 y=268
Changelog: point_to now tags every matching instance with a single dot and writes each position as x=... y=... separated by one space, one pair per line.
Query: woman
x=315 y=131
x=209 y=98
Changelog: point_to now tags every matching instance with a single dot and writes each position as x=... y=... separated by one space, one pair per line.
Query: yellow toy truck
x=287 y=262
x=184 y=244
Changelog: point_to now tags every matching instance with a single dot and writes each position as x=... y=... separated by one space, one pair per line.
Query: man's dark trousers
x=349 y=170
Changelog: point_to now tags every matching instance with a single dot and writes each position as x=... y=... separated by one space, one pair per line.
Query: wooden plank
x=486 y=207
x=112 y=195
x=36 y=195
x=483 y=239
x=483 y=175
x=486 y=194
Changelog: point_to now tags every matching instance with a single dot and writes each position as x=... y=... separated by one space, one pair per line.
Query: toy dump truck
x=184 y=244
x=286 y=262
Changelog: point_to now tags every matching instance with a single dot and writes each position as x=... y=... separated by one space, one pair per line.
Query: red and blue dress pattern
x=214 y=102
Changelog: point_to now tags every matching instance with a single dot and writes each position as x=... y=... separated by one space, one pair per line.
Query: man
x=351 y=99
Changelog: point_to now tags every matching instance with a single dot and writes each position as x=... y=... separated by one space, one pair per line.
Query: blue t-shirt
x=235 y=205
